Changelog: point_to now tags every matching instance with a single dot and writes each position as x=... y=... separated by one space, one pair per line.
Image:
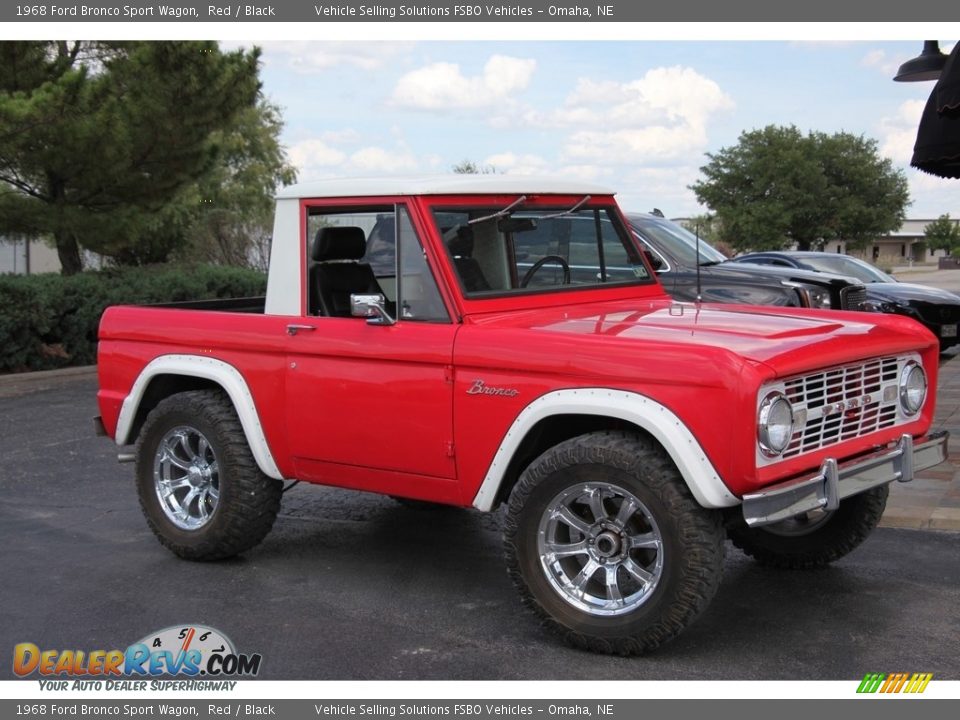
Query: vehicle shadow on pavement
x=351 y=585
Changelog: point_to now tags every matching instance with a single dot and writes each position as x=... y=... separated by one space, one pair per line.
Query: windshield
x=676 y=240
x=846 y=265
x=538 y=249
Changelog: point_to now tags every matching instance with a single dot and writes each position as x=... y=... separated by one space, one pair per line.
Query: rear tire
x=200 y=489
x=815 y=539
x=607 y=546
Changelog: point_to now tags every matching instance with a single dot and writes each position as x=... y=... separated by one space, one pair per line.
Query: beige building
x=22 y=257
x=27 y=257
x=905 y=246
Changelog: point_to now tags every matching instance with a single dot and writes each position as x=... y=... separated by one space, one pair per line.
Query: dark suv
x=938 y=310
x=672 y=250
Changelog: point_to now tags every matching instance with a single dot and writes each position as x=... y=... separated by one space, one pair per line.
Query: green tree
x=711 y=230
x=469 y=167
x=777 y=186
x=232 y=205
x=943 y=234
x=97 y=139
x=706 y=225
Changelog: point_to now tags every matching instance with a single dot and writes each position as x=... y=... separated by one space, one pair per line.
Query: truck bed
x=253 y=305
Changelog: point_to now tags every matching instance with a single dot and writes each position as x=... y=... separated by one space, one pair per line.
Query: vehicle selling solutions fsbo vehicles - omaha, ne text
x=510 y=353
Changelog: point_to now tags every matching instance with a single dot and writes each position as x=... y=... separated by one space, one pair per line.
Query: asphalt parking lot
x=355 y=586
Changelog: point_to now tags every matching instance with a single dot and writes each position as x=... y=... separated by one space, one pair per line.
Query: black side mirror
x=655 y=262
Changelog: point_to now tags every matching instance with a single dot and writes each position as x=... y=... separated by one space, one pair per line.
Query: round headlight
x=774 y=424
x=913 y=388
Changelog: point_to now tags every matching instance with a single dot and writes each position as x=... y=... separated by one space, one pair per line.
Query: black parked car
x=672 y=250
x=938 y=309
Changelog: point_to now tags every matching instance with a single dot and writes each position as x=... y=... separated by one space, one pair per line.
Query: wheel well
x=160 y=388
x=549 y=432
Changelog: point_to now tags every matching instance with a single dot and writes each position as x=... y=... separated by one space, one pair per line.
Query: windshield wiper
x=460 y=227
x=576 y=206
x=709 y=263
x=499 y=213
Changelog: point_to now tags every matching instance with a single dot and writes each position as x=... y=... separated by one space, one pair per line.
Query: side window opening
x=354 y=251
x=419 y=296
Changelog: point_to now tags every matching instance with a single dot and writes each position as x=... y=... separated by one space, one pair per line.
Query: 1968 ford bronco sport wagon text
x=512 y=330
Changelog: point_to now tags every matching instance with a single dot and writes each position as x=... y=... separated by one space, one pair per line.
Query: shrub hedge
x=50 y=321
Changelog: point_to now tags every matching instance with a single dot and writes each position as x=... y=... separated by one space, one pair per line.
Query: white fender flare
x=225 y=375
x=687 y=454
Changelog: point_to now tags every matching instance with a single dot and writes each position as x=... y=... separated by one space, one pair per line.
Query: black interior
x=336 y=272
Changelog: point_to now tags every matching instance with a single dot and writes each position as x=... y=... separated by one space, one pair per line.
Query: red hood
x=782 y=338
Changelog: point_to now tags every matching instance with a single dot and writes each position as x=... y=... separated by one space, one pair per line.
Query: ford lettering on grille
x=840 y=404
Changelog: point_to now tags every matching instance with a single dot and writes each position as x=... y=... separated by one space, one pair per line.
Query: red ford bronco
x=516 y=330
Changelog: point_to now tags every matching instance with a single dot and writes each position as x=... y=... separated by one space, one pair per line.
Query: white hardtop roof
x=466 y=184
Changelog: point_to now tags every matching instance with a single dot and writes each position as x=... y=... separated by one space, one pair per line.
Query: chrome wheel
x=186 y=477
x=600 y=548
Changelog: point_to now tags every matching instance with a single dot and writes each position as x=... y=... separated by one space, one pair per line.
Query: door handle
x=294 y=329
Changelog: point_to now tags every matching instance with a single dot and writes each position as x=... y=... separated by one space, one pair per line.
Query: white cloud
x=509 y=163
x=930 y=195
x=316 y=159
x=665 y=96
x=513 y=164
x=886 y=64
x=308 y=155
x=663 y=115
x=380 y=161
x=584 y=172
x=899 y=132
x=443 y=86
x=316 y=57
x=629 y=146
x=346 y=136
x=589 y=92
x=642 y=189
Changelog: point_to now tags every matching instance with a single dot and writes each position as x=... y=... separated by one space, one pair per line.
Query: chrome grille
x=840 y=403
x=853 y=298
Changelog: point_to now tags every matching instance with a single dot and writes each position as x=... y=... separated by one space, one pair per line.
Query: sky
x=637 y=116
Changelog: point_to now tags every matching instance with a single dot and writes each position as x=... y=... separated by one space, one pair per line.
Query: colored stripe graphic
x=895 y=683
x=919 y=682
x=870 y=682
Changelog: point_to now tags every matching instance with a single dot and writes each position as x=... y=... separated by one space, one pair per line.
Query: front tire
x=605 y=543
x=816 y=538
x=200 y=489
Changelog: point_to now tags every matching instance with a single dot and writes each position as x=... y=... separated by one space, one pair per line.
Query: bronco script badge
x=479 y=388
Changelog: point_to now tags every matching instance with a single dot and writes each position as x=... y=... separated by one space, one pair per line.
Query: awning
x=937 y=150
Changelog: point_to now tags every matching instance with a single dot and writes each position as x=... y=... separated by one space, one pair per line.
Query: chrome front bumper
x=837 y=481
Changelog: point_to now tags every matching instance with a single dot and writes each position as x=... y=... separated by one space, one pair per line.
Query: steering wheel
x=528 y=276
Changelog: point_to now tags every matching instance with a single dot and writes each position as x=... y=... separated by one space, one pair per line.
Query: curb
x=41 y=375
x=22 y=383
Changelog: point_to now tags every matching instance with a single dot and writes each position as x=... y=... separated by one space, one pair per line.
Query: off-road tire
x=248 y=500
x=692 y=541
x=841 y=532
